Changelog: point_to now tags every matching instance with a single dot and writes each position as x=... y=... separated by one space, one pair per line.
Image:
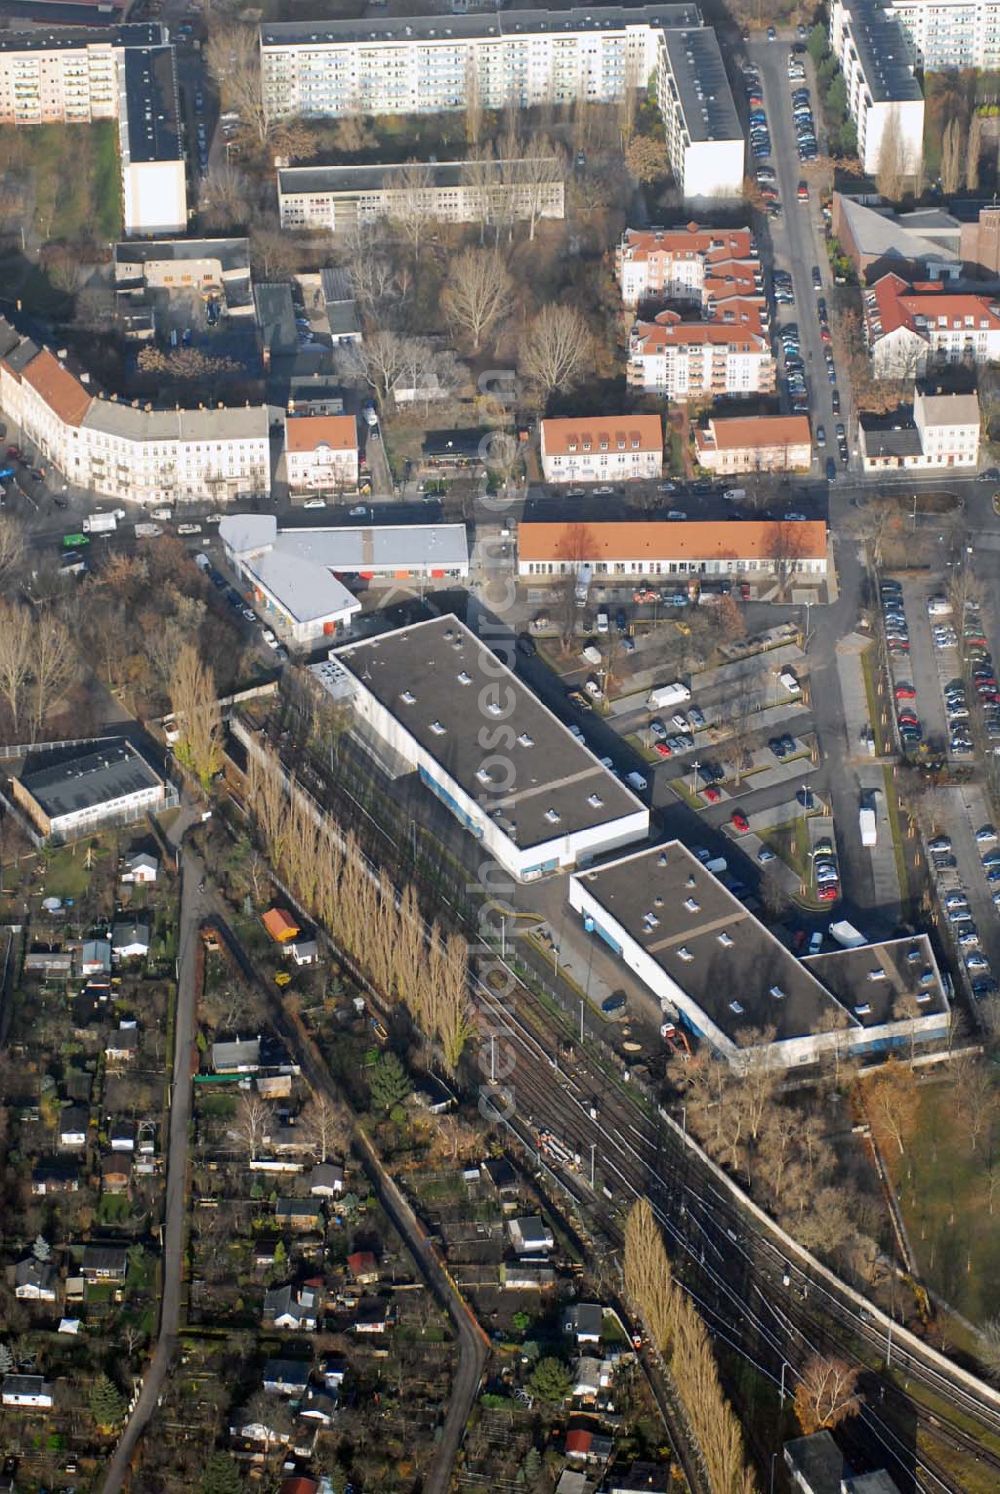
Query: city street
x=797 y=236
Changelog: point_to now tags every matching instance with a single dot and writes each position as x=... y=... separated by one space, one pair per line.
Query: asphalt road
x=193 y=909
x=796 y=237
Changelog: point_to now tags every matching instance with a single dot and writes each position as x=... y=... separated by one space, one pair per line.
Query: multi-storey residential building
x=704 y=137
x=757 y=443
x=728 y=354
x=682 y=264
x=339 y=197
x=154 y=186
x=606 y=448
x=883 y=96
x=941 y=430
x=65 y=76
x=132 y=451
x=127 y=74
x=946 y=34
x=421 y=64
x=910 y=329
x=321 y=452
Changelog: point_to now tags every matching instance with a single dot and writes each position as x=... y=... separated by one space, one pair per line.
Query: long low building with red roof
x=680 y=264
x=673 y=548
x=911 y=328
x=602 y=448
x=757 y=443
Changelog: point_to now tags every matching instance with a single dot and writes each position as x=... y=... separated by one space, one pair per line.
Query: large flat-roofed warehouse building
x=725 y=977
x=295 y=572
x=508 y=769
x=65 y=793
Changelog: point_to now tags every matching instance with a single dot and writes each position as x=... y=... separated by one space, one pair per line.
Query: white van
x=637 y=782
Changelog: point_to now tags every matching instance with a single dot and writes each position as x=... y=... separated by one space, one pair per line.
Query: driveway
x=193 y=909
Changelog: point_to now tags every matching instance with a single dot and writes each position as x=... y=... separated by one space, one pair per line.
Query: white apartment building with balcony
x=338 y=197
x=911 y=330
x=729 y=355
x=882 y=92
x=65 y=76
x=690 y=263
x=947 y=34
x=131 y=451
x=425 y=64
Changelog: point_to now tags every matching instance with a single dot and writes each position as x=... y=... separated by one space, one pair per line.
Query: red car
x=711 y=795
x=663 y=750
x=744 y=591
x=909 y=718
x=830 y=893
x=905 y=692
x=739 y=821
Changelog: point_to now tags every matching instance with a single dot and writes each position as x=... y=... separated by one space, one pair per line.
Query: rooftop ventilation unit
x=777 y=993
x=692 y=905
x=407 y=697
x=438 y=729
x=726 y=940
x=685 y=954
x=524 y=740
x=553 y=816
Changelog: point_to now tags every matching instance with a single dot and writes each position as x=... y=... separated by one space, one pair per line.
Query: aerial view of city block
x=499 y=747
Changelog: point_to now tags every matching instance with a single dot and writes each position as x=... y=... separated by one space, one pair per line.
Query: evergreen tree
x=551 y=1380
x=221 y=1476
x=6 y=1360
x=388 y=1082
x=41 y=1249
x=107 y=1405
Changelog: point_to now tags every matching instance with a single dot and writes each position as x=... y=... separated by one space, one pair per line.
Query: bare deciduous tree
x=951 y=156
x=16 y=630
x=557 y=350
x=892 y=166
x=412 y=185
x=890 y=1098
x=54 y=664
x=251 y=1120
x=232 y=56
x=826 y=1394
x=194 y=702
x=478 y=294
x=327 y=1126
x=379 y=361
x=11 y=545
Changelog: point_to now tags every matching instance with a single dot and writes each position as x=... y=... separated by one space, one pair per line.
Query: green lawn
x=66 y=874
x=943 y=1188
x=72 y=176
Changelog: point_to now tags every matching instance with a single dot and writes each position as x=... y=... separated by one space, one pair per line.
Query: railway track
x=722 y=1257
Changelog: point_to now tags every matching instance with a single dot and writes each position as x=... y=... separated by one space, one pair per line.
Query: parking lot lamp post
x=694 y=775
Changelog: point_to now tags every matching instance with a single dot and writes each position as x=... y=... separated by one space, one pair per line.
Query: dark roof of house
x=65 y=782
x=276 y=316
x=105 y=1257
x=817 y=1462
x=892 y=435
x=232 y=254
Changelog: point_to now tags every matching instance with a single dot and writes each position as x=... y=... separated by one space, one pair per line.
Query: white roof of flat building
x=354 y=550
x=307 y=592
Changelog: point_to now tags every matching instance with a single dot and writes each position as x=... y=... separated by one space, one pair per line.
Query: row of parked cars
x=795 y=369
x=957 y=912
x=825 y=870
x=897 y=637
x=805 y=125
x=760 y=135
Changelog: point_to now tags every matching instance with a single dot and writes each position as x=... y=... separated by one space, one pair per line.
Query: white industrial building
x=882 y=93
x=64 y=794
x=437 y=697
x=295 y=573
x=429 y=63
x=718 y=972
x=339 y=197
